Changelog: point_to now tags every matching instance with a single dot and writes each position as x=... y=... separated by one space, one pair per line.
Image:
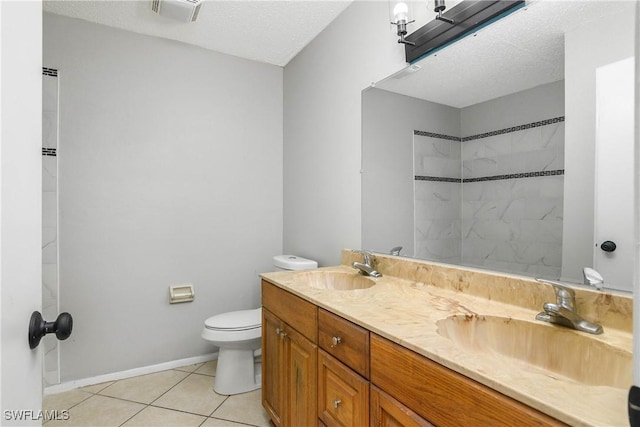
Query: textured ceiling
x=266 y=31
x=521 y=51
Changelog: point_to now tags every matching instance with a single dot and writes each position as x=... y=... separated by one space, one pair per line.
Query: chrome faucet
x=563 y=312
x=366 y=267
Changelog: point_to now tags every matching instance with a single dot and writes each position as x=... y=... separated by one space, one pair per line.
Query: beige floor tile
x=189 y=368
x=145 y=388
x=159 y=417
x=244 y=408
x=195 y=394
x=216 y=422
x=96 y=388
x=208 y=368
x=99 y=411
x=66 y=400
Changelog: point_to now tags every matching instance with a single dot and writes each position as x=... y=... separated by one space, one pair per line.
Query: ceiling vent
x=180 y=10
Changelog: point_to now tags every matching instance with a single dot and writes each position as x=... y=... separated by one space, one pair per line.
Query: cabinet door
x=273 y=368
x=388 y=412
x=302 y=380
x=343 y=395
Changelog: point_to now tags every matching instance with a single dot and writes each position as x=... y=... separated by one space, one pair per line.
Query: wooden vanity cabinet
x=388 y=412
x=343 y=371
x=289 y=358
x=443 y=396
x=321 y=369
x=343 y=395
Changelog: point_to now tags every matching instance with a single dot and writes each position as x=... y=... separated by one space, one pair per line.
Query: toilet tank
x=292 y=262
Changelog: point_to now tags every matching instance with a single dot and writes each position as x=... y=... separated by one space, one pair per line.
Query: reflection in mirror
x=492 y=195
x=468 y=158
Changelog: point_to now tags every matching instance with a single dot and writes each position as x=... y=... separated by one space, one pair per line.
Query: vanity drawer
x=442 y=396
x=345 y=340
x=343 y=395
x=298 y=313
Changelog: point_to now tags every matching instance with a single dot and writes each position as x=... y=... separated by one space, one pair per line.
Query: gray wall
x=531 y=105
x=170 y=163
x=322 y=129
x=388 y=122
x=607 y=40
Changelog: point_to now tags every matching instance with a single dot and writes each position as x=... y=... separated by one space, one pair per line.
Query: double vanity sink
x=483 y=327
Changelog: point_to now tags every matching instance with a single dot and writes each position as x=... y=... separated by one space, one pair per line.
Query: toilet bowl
x=238 y=334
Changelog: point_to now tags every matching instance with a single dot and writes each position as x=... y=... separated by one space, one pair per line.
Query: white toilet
x=238 y=335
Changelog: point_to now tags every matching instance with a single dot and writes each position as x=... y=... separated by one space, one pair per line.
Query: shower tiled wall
x=50 y=219
x=437 y=197
x=512 y=198
x=492 y=200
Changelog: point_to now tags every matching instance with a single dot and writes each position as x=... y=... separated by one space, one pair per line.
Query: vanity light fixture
x=462 y=19
x=439 y=8
x=400 y=14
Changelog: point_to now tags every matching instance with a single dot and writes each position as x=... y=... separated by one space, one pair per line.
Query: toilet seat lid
x=240 y=320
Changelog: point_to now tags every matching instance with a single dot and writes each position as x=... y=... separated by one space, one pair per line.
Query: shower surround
x=492 y=199
x=51 y=373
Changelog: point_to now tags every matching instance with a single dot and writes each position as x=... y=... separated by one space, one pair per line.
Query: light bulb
x=400 y=11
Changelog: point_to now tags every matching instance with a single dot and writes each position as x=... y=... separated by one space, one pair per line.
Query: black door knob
x=38 y=327
x=608 y=246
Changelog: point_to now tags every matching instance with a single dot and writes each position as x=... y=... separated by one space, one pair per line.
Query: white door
x=615 y=97
x=20 y=209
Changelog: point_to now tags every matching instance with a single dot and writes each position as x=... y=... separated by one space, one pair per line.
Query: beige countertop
x=406 y=311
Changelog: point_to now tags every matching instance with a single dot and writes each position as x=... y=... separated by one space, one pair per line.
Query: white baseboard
x=71 y=385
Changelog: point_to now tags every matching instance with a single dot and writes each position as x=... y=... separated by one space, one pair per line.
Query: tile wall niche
x=492 y=200
x=51 y=373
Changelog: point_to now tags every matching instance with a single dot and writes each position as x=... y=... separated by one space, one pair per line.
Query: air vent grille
x=180 y=10
x=195 y=13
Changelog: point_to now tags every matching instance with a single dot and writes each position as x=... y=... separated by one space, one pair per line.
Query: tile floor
x=177 y=397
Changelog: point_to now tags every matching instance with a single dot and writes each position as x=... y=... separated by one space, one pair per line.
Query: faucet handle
x=592 y=278
x=395 y=250
x=366 y=256
x=565 y=296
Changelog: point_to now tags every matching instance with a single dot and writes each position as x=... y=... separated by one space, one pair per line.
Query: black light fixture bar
x=467 y=16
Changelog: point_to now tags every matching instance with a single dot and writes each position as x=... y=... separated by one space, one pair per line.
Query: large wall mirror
x=483 y=153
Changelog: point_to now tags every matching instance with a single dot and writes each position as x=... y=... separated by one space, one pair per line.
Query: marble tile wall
x=537 y=147
x=437 y=197
x=50 y=219
x=492 y=200
x=512 y=198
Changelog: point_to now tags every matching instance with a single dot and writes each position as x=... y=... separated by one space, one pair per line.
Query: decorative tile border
x=516 y=175
x=49 y=152
x=490 y=178
x=514 y=129
x=437 y=135
x=486 y=135
x=49 y=72
x=436 y=178
x=493 y=132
